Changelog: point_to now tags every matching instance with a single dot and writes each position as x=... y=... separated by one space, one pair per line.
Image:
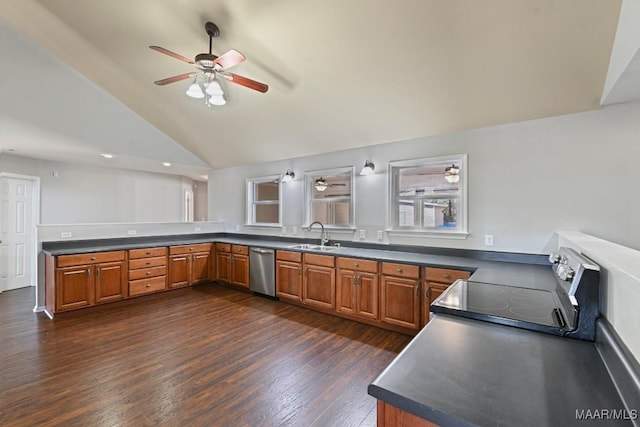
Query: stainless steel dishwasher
x=262 y=271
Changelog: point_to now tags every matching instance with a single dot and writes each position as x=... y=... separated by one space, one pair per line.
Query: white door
x=16 y=230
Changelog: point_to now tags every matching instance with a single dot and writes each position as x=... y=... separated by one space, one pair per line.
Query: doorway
x=19 y=215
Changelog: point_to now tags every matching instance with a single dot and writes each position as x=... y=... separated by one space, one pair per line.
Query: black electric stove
x=570 y=310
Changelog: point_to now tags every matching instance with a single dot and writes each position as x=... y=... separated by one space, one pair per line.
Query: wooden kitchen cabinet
x=319 y=281
x=289 y=275
x=400 y=295
x=436 y=281
x=83 y=280
x=189 y=264
x=357 y=288
x=233 y=264
x=110 y=282
x=147 y=270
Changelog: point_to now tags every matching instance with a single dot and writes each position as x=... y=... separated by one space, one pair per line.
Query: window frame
x=461 y=231
x=309 y=182
x=251 y=202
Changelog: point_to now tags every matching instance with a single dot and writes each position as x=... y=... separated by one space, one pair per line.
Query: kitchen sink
x=310 y=247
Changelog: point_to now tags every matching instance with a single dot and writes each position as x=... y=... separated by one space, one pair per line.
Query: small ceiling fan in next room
x=210 y=66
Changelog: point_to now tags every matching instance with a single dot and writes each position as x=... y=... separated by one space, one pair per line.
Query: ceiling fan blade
x=174 y=79
x=229 y=59
x=243 y=81
x=171 y=54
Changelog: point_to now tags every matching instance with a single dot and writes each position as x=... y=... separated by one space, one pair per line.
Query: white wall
x=82 y=194
x=526 y=180
x=625 y=46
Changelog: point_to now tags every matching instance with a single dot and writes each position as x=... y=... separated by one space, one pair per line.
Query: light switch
x=488 y=239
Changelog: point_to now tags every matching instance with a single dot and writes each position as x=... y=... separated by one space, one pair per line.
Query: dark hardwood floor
x=202 y=356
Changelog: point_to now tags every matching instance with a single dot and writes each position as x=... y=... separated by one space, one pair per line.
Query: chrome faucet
x=324 y=237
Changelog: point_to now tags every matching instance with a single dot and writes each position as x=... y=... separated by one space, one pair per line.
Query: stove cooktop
x=525 y=308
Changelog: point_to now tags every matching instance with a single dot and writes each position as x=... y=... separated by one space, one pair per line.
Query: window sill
x=264 y=225
x=440 y=234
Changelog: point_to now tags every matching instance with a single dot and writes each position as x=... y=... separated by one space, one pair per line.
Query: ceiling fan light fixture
x=288 y=176
x=452 y=174
x=368 y=168
x=217 y=100
x=195 y=91
x=214 y=88
x=321 y=184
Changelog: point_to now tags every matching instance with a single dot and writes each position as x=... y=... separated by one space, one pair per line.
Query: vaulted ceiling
x=341 y=73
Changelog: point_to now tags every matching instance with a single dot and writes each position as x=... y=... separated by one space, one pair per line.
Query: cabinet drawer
x=147 y=252
x=242 y=250
x=324 y=260
x=400 y=270
x=147 y=262
x=144 y=273
x=289 y=256
x=365 y=265
x=189 y=249
x=444 y=275
x=91 y=258
x=143 y=286
x=223 y=247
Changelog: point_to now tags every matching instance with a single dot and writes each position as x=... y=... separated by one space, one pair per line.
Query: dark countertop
x=498 y=272
x=460 y=372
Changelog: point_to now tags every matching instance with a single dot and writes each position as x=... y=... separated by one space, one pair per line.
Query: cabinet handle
x=353 y=280
x=427 y=294
x=148 y=285
x=190 y=249
x=417 y=290
x=399 y=270
x=88 y=272
x=148 y=253
x=299 y=271
x=148 y=273
x=446 y=276
x=97 y=272
x=148 y=263
x=359 y=281
x=355 y=264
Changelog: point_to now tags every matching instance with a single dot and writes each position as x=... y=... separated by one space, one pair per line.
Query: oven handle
x=560 y=318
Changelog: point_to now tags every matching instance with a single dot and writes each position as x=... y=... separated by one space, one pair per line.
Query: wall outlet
x=488 y=239
x=294 y=230
x=380 y=235
x=65 y=234
x=197 y=229
x=132 y=232
x=363 y=234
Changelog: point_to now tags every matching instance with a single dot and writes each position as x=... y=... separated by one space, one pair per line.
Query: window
x=263 y=201
x=330 y=197
x=429 y=195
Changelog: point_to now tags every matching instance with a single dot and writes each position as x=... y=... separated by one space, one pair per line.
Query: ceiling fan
x=210 y=66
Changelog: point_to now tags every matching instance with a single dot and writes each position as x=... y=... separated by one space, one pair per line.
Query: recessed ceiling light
x=107 y=155
x=167 y=164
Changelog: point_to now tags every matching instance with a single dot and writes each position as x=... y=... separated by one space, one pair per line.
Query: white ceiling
x=342 y=74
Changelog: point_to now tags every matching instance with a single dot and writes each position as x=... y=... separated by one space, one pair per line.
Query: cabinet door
x=319 y=286
x=223 y=263
x=200 y=268
x=289 y=280
x=346 y=292
x=400 y=302
x=74 y=287
x=431 y=292
x=179 y=266
x=367 y=301
x=110 y=281
x=240 y=270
